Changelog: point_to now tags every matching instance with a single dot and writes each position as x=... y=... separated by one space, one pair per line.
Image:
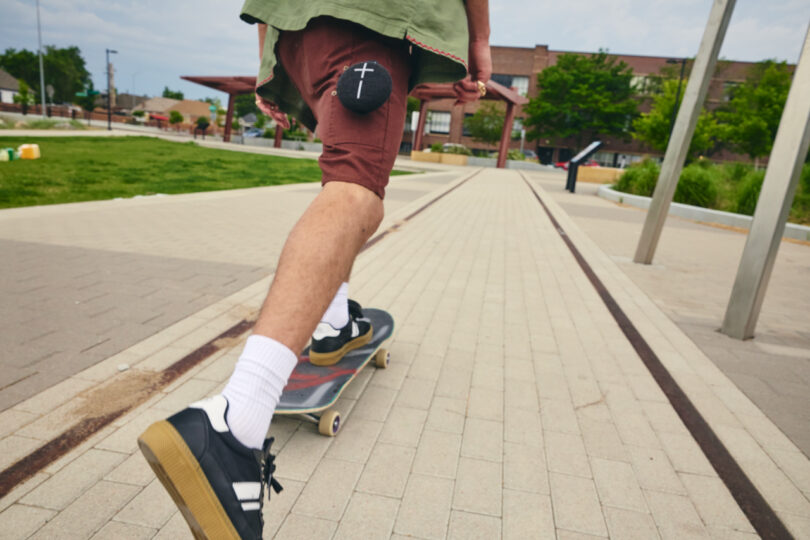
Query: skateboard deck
x=313 y=389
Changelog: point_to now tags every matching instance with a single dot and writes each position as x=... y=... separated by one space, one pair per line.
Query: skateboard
x=311 y=390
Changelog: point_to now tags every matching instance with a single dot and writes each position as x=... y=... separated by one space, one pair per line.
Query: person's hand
x=271 y=109
x=480 y=60
x=480 y=69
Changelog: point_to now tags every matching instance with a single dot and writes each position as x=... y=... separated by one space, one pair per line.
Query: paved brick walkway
x=691 y=280
x=85 y=281
x=513 y=407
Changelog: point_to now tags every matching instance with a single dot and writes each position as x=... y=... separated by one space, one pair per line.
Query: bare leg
x=316 y=259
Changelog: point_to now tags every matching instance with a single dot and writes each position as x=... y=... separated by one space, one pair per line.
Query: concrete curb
x=696 y=213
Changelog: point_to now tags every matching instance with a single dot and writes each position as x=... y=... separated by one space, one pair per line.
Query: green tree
x=653 y=127
x=754 y=110
x=582 y=97
x=24 y=97
x=66 y=72
x=486 y=124
x=175 y=117
x=171 y=93
x=22 y=65
x=64 y=67
x=88 y=101
x=245 y=104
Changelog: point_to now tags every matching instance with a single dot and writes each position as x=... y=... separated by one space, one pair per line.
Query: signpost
x=573 y=165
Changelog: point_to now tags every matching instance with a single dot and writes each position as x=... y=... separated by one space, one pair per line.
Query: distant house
x=190 y=109
x=128 y=101
x=157 y=105
x=9 y=87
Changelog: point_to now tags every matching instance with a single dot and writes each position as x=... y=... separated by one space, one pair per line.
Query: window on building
x=645 y=85
x=729 y=87
x=517 y=125
x=464 y=130
x=519 y=82
x=439 y=122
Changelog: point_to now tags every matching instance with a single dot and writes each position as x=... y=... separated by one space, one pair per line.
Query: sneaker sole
x=180 y=473
x=331 y=358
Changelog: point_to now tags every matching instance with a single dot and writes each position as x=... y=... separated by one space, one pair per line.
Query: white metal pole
x=41 y=68
x=778 y=189
x=685 y=124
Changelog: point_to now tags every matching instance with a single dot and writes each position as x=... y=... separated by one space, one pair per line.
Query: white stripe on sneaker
x=214 y=407
x=246 y=491
x=324 y=330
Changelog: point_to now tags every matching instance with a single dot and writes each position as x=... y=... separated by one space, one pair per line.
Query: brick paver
x=83 y=282
x=513 y=407
x=691 y=279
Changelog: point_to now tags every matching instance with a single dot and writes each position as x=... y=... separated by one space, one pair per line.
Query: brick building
x=518 y=67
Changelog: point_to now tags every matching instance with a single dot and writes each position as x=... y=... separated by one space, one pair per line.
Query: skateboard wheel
x=381 y=358
x=329 y=424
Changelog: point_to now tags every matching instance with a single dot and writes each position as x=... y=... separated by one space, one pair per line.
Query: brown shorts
x=357 y=148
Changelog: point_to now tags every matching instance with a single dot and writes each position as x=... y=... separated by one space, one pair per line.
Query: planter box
x=453 y=159
x=433 y=157
x=599 y=175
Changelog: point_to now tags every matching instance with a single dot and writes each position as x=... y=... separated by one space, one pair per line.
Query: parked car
x=253 y=132
x=564 y=164
x=530 y=154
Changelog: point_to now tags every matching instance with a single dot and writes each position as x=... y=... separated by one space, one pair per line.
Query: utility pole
x=109 y=107
x=41 y=69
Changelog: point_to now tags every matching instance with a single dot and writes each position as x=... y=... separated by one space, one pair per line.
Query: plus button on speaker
x=364 y=87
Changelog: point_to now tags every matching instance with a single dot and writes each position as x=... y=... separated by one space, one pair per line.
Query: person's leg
x=213 y=457
x=316 y=259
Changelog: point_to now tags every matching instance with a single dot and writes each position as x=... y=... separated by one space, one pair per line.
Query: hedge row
x=733 y=187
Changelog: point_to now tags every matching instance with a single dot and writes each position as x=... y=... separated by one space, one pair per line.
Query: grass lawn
x=74 y=169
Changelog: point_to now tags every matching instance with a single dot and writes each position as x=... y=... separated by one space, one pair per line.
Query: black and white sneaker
x=329 y=344
x=217 y=483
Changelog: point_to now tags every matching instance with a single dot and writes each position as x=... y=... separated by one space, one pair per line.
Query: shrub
x=516 y=155
x=804 y=180
x=749 y=193
x=736 y=172
x=639 y=179
x=294 y=134
x=455 y=148
x=269 y=133
x=696 y=187
x=175 y=117
x=800 y=212
x=139 y=113
x=436 y=147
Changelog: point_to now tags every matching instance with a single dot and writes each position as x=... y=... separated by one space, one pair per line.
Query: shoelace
x=268 y=468
x=267 y=463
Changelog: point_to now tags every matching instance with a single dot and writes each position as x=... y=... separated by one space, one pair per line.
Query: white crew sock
x=255 y=387
x=337 y=314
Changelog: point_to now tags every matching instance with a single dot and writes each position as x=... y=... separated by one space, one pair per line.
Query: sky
x=158 y=41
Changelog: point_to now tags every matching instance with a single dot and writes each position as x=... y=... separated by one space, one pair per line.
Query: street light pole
x=109 y=109
x=41 y=69
x=677 y=94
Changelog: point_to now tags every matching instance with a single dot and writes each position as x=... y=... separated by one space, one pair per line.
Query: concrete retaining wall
x=696 y=213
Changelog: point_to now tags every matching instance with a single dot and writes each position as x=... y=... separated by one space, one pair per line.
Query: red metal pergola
x=239 y=85
x=233 y=86
x=428 y=92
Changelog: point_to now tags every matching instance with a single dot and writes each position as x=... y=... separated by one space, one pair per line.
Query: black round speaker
x=364 y=87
